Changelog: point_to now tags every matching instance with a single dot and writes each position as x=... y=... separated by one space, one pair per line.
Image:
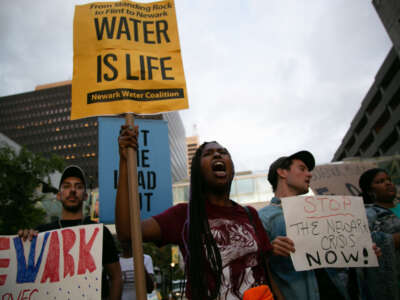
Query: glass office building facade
x=247 y=189
x=40 y=120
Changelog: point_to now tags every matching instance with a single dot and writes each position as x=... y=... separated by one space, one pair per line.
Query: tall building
x=192 y=143
x=177 y=145
x=389 y=13
x=375 y=129
x=40 y=120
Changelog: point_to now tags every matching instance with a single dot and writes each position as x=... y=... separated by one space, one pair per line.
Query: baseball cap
x=73 y=171
x=305 y=156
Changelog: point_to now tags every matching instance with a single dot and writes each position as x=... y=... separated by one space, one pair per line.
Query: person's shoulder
x=253 y=212
x=269 y=208
x=106 y=232
x=180 y=206
x=178 y=209
x=248 y=208
x=373 y=209
x=377 y=212
x=177 y=213
x=253 y=209
x=270 y=213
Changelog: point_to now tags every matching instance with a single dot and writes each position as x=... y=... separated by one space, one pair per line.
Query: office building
x=177 y=145
x=375 y=129
x=192 y=143
x=40 y=120
x=389 y=13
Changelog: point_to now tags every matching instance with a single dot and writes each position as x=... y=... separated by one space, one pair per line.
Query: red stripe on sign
x=4 y=262
x=3 y=279
x=4 y=243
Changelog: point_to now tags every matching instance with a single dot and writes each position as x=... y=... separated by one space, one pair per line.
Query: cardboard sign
x=59 y=264
x=339 y=178
x=328 y=232
x=342 y=178
x=153 y=166
x=127 y=58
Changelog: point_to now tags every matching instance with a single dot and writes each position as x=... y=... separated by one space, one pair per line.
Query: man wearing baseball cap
x=290 y=176
x=72 y=193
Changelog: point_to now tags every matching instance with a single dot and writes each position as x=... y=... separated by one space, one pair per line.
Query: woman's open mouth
x=219 y=168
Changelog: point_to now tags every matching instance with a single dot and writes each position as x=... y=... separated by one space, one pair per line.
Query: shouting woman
x=224 y=244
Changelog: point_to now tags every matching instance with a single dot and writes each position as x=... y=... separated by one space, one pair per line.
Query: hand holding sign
x=127 y=138
x=328 y=231
x=27 y=234
x=58 y=264
x=283 y=246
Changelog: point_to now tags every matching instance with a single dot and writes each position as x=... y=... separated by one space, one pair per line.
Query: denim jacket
x=294 y=284
x=382 y=282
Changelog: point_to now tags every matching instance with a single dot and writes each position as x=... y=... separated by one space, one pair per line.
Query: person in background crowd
x=383 y=213
x=290 y=176
x=128 y=268
x=72 y=193
x=221 y=246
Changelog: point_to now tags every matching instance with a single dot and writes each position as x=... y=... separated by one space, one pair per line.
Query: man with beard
x=72 y=193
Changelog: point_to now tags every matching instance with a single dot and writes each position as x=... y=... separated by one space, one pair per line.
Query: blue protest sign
x=154 y=167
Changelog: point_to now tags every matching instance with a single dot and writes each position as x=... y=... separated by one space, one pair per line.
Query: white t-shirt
x=128 y=275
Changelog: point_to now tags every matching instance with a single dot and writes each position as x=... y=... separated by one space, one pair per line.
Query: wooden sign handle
x=134 y=212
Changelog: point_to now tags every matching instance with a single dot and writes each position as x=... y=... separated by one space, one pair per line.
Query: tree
x=162 y=259
x=22 y=174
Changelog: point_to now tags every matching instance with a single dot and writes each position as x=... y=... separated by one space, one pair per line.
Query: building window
x=394 y=102
x=389 y=141
x=244 y=186
x=391 y=73
x=374 y=103
x=367 y=142
x=384 y=118
x=361 y=125
x=350 y=143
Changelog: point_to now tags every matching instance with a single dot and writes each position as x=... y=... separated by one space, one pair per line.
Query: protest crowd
x=231 y=251
x=223 y=262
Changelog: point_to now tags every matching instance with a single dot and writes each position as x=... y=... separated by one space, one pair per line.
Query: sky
x=265 y=78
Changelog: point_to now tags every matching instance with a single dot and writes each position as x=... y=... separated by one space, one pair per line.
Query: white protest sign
x=339 y=178
x=59 y=264
x=328 y=231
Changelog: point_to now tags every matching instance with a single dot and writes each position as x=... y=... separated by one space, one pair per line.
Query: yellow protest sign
x=127 y=58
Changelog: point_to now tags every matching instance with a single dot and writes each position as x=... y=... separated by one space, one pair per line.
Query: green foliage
x=162 y=259
x=161 y=256
x=20 y=179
